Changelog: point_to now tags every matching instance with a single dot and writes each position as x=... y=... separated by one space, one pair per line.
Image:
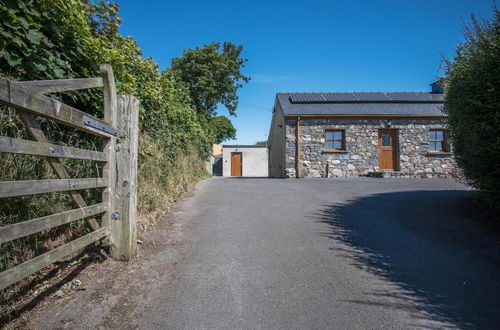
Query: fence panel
x=17 y=273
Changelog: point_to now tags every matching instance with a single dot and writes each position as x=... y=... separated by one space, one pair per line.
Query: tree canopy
x=473 y=105
x=213 y=76
x=222 y=129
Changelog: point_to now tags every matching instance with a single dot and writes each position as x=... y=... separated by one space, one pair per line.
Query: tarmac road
x=352 y=253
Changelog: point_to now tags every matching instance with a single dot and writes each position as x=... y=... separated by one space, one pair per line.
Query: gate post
x=109 y=172
x=124 y=228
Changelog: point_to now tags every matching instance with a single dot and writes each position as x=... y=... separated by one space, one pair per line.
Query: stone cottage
x=401 y=134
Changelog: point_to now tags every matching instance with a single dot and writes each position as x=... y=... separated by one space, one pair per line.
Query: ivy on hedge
x=54 y=39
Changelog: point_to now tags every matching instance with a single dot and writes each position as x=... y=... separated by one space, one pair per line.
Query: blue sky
x=301 y=46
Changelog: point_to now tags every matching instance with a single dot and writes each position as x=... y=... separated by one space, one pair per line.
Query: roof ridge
x=379 y=92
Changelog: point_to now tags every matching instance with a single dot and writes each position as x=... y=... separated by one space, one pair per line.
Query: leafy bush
x=473 y=105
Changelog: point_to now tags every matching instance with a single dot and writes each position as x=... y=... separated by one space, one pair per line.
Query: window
x=335 y=139
x=386 y=140
x=437 y=140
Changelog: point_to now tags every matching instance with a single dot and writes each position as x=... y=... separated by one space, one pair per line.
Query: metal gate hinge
x=99 y=125
x=115 y=215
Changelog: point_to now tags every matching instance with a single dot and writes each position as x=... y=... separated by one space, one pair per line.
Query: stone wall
x=290 y=147
x=361 y=154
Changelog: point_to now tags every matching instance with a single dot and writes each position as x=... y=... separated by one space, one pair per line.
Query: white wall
x=254 y=161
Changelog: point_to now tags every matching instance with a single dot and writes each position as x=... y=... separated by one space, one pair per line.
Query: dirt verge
x=79 y=284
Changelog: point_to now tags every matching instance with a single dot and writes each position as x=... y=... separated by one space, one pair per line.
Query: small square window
x=438 y=140
x=334 y=139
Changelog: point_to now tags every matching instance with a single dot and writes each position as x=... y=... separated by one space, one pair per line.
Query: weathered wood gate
x=119 y=129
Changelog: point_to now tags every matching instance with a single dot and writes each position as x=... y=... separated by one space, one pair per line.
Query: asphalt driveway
x=353 y=253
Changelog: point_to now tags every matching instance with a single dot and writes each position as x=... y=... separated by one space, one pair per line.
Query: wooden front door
x=236 y=161
x=387 y=149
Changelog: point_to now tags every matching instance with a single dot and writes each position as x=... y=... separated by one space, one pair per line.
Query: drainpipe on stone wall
x=297 y=139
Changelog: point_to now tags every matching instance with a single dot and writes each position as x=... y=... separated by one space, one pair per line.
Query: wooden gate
x=119 y=129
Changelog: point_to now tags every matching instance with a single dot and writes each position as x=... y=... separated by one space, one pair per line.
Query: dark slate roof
x=409 y=104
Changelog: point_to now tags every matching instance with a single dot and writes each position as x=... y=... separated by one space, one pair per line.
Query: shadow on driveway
x=446 y=264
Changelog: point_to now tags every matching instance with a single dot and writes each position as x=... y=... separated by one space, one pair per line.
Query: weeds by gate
x=113 y=220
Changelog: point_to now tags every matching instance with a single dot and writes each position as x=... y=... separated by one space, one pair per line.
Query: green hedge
x=473 y=106
x=55 y=39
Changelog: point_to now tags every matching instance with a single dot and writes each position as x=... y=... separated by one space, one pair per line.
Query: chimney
x=438 y=86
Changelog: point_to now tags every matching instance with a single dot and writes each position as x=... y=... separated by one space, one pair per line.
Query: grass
x=162 y=181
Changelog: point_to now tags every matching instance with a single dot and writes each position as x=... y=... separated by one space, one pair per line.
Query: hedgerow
x=473 y=106
x=58 y=39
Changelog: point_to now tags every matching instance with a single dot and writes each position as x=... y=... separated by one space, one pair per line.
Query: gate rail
x=119 y=129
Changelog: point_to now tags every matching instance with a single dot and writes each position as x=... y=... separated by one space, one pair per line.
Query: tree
x=222 y=129
x=213 y=76
x=473 y=105
x=261 y=143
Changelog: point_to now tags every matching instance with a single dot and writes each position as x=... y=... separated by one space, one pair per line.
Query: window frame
x=444 y=141
x=342 y=141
